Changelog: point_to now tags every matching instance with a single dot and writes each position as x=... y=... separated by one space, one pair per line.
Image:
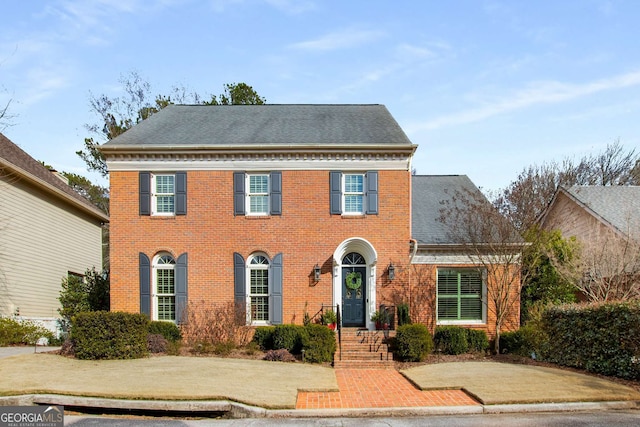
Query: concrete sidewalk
x=271 y=388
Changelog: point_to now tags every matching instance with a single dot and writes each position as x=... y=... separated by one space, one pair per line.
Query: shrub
x=403 y=314
x=224 y=348
x=14 y=332
x=156 y=343
x=168 y=330
x=215 y=323
x=318 y=343
x=601 y=338
x=201 y=347
x=478 y=340
x=263 y=336
x=110 y=335
x=281 y=355
x=82 y=294
x=413 y=342
x=451 y=339
x=288 y=337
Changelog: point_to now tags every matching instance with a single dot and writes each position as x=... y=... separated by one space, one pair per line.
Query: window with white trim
x=163 y=194
x=258 y=288
x=460 y=295
x=353 y=193
x=164 y=280
x=258 y=194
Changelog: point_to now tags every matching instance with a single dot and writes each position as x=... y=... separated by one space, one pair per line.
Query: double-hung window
x=460 y=295
x=163 y=194
x=353 y=193
x=259 y=288
x=258 y=194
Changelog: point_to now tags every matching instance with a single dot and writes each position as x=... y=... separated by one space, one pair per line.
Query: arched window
x=258 y=287
x=353 y=258
x=164 y=280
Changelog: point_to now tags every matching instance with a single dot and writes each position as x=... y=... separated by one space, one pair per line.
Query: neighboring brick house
x=280 y=208
x=590 y=212
x=605 y=220
x=47 y=232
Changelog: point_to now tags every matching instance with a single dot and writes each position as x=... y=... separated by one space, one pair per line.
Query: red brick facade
x=306 y=234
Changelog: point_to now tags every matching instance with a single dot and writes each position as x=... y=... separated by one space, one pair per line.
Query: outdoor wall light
x=392 y=271
x=316 y=272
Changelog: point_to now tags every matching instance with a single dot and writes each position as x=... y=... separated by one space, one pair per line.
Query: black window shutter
x=238 y=193
x=144 y=191
x=181 y=287
x=275 y=296
x=181 y=193
x=335 y=189
x=276 y=193
x=239 y=283
x=372 y=193
x=144 y=266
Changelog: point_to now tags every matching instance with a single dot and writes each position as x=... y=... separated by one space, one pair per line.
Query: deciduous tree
x=492 y=243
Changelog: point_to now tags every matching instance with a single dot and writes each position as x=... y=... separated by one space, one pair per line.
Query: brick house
x=605 y=220
x=280 y=208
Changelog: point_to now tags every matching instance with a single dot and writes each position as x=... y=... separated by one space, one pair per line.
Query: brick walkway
x=378 y=388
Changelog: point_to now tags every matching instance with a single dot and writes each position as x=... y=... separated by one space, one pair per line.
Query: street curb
x=239 y=410
x=560 y=407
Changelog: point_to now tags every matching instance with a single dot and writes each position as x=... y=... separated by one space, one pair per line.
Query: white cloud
x=342 y=39
x=534 y=94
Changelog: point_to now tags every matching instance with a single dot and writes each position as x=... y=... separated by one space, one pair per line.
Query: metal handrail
x=339 y=327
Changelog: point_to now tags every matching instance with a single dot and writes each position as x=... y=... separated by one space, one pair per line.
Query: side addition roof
x=16 y=161
x=428 y=195
x=201 y=126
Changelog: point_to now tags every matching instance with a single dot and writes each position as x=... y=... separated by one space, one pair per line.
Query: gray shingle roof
x=21 y=163
x=199 y=125
x=618 y=205
x=427 y=197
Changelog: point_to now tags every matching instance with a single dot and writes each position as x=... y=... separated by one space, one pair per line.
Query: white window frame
x=163 y=262
x=252 y=265
x=155 y=195
x=346 y=193
x=249 y=194
x=483 y=300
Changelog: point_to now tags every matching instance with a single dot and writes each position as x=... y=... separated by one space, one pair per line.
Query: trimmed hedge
x=459 y=340
x=168 y=330
x=602 y=338
x=288 y=337
x=451 y=339
x=478 y=340
x=263 y=336
x=110 y=335
x=318 y=343
x=413 y=342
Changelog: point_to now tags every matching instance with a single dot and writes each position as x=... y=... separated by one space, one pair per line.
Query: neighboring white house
x=47 y=232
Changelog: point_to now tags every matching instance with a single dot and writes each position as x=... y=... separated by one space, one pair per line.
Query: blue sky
x=485 y=88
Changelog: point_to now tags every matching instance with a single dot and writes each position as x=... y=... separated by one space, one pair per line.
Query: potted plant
x=329 y=318
x=381 y=320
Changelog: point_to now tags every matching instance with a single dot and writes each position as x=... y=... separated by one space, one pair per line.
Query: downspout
x=414 y=243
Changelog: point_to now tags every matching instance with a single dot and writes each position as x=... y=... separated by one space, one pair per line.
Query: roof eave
x=93 y=211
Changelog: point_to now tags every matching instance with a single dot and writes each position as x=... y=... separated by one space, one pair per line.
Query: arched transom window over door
x=354 y=289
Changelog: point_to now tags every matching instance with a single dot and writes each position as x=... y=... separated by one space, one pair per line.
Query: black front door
x=353 y=295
